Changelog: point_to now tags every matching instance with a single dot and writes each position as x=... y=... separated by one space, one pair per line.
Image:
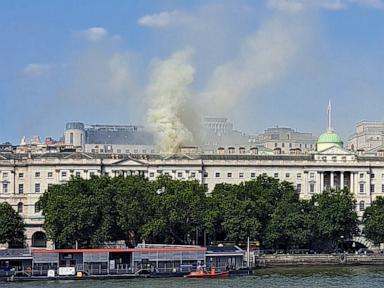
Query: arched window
x=20 y=207
x=361 y=206
x=39 y=239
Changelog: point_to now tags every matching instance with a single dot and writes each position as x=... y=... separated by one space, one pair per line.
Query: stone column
x=351 y=182
x=332 y=179
x=341 y=179
x=321 y=182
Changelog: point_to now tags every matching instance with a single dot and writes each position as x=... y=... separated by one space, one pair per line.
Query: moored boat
x=210 y=274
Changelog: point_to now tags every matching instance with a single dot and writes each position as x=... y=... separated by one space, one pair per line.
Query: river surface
x=275 y=277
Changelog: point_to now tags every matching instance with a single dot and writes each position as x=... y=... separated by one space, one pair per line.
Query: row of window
x=21 y=188
x=20 y=207
x=253 y=175
x=50 y=174
x=290 y=145
x=119 y=151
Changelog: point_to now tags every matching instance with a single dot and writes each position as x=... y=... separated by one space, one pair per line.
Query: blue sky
x=92 y=61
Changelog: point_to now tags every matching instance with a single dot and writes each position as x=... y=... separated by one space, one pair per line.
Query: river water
x=275 y=277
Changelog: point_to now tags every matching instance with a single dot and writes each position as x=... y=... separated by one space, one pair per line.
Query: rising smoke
x=168 y=92
x=263 y=58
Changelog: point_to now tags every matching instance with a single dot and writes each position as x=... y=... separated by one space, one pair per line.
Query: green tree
x=133 y=203
x=245 y=210
x=11 y=226
x=290 y=225
x=373 y=221
x=81 y=211
x=333 y=217
x=177 y=209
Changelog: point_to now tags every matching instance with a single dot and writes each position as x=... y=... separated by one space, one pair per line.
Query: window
x=151 y=174
x=241 y=175
x=21 y=188
x=127 y=151
x=37 y=208
x=311 y=188
x=362 y=188
x=71 y=138
x=118 y=150
x=77 y=174
x=372 y=175
x=205 y=174
x=63 y=174
x=217 y=175
x=37 y=174
x=5 y=175
x=5 y=187
x=275 y=144
x=229 y=174
x=50 y=185
x=91 y=174
x=372 y=188
x=135 y=151
x=21 y=175
x=37 y=187
x=298 y=188
x=382 y=188
x=287 y=175
x=312 y=175
x=179 y=174
x=253 y=175
x=144 y=151
x=298 y=175
x=361 y=175
x=193 y=174
x=361 y=206
x=206 y=186
x=20 y=207
x=276 y=175
x=50 y=175
x=264 y=174
x=166 y=173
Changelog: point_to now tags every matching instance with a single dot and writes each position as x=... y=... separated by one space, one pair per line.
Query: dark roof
x=224 y=249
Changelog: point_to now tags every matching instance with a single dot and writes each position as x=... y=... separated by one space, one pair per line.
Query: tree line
x=94 y=211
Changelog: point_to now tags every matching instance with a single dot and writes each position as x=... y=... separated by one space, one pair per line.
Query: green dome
x=327 y=140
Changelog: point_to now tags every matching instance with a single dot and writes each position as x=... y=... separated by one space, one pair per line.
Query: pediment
x=129 y=162
x=78 y=155
x=335 y=150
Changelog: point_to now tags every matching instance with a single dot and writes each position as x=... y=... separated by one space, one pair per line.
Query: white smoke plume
x=168 y=92
x=263 y=58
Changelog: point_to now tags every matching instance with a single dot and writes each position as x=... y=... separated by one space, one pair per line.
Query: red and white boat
x=205 y=274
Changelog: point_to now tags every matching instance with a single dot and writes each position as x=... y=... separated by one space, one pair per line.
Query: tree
x=290 y=225
x=133 y=203
x=245 y=210
x=11 y=226
x=177 y=211
x=81 y=211
x=333 y=217
x=373 y=220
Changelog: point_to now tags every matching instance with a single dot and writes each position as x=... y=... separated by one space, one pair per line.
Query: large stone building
x=286 y=140
x=368 y=137
x=119 y=139
x=25 y=176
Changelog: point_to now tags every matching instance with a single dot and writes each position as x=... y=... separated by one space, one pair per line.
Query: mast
x=329 y=112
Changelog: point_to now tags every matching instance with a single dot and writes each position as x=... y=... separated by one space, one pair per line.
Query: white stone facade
x=25 y=177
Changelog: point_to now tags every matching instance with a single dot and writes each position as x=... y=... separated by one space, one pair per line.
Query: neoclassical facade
x=24 y=177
